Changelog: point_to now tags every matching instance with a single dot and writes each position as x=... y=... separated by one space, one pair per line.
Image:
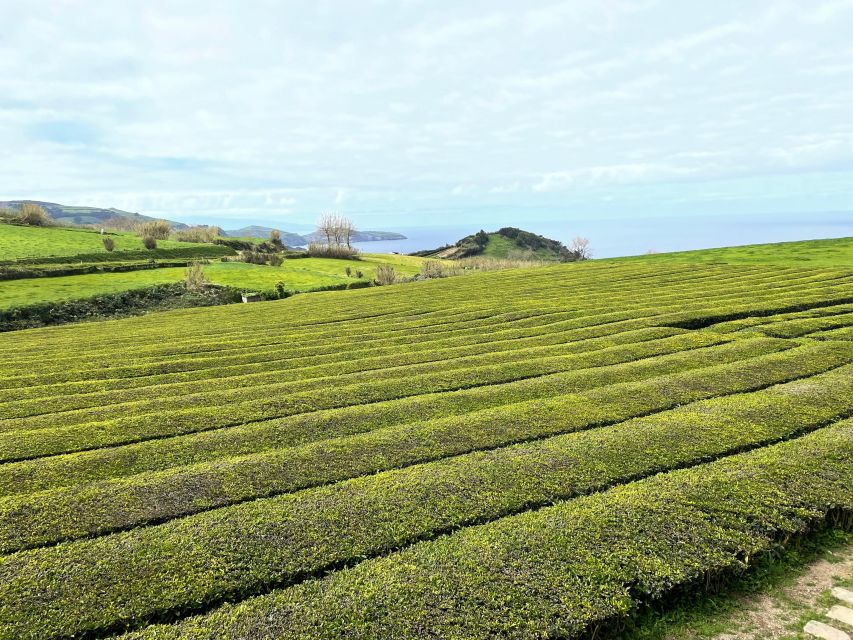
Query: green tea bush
x=513 y=453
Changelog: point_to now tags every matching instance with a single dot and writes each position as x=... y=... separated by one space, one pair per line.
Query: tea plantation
x=529 y=453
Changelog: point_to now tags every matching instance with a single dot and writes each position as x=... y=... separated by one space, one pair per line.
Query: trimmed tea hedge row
x=241 y=389
x=63 y=373
x=77 y=468
x=302 y=375
x=562 y=570
x=327 y=352
x=21 y=444
x=718 y=287
x=234 y=324
x=756 y=321
x=192 y=364
x=845 y=333
x=236 y=551
x=50 y=517
x=802 y=327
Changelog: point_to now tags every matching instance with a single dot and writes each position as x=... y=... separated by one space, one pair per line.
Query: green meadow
x=302 y=274
x=60 y=244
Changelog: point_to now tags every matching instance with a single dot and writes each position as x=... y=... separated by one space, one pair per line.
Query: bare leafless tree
x=337 y=229
x=580 y=248
x=347 y=230
x=326 y=225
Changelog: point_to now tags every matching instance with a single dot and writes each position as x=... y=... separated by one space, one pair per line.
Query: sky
x=416 y=113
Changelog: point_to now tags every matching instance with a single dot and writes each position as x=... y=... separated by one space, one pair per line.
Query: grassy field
x=806 y=253
x=302 y=274
x=501 y=247
x=46 y=244
x=523 y=453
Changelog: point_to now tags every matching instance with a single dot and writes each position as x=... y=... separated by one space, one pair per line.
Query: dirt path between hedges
x=775 y=616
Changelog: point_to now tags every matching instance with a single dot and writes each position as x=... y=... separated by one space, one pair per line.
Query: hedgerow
x=845 y=333
x=227 y=553
x=804 y=326
x=23 y=443
x=301 y=370
x=65 y=470
x=567 y=569
x=157 y=467
x=708 y=280
x=66 y=372
x=80 y=512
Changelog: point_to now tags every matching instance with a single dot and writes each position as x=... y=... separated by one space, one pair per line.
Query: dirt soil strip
x=770 y=616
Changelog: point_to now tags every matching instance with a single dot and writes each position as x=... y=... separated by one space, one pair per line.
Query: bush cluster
x=318 y=250
x=155 y=229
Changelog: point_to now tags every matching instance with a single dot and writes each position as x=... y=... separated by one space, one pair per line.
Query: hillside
x=68 y=214
x=21 y=243
x=509 y=243
x=256 y=231
x=828 y=252
x=521 y=453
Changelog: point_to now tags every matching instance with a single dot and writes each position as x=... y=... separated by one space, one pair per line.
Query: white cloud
x=289 y=108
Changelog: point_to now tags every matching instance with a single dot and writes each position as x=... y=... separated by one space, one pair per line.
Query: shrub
x=275 y=260
x=487 y=263
x=194 y=279
x=149 y=242
x=109 y=243
x=280 y=290
x=359 y=274
x=199 y=233
x=318 y=250
x=34 y=215
x=234 y=243
x=432 y=269
x=385 y=274
x=253 y=257
x=348 y=271
x=118 y=223
x=157 y=229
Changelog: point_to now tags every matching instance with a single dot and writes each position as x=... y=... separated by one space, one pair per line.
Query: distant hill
x=296 y=240
x=257 y=231
x=359 y=236
x=509 y=242
x=67 y=214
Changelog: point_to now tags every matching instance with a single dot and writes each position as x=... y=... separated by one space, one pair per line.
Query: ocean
x=632 y=236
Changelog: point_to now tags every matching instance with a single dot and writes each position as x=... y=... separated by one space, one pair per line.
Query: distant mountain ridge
x=297 y=240
x=69 y=214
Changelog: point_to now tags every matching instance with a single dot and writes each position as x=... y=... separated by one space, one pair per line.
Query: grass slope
x=48 y=244
x=830 y=252
x=523 y=453
x=303 y=274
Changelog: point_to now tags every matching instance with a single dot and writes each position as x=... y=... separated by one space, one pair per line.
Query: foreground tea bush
x=463 y=457
x=565 y=569
x=226 y=553
x=54 y=516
